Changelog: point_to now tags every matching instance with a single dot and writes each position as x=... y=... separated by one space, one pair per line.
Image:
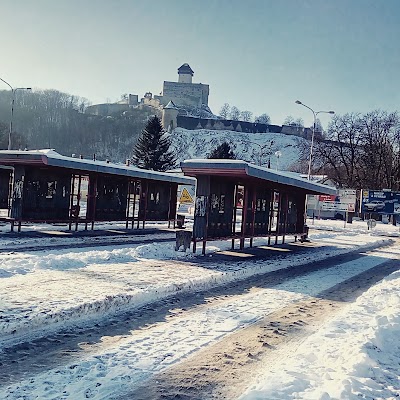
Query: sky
x=259 y=55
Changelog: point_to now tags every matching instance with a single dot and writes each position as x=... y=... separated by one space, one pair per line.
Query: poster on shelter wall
x=201 y=206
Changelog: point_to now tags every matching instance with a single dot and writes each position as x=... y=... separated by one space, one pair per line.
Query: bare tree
x=263 y=119
x=224 y=112
x=234 y=113
x=246 y=116
x=360 y=151
x=380 y=148
x=289 y=120
x=339 y=154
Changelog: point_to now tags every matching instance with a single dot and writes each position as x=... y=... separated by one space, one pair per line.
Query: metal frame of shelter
x=238 y=200
x=44 y=186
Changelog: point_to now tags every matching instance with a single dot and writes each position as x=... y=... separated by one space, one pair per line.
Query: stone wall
x=186 y=94
x=192 y=123
x=107 y=109
x=225 y=124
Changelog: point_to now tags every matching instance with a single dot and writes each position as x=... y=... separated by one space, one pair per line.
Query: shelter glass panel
x=46 y=195
x=262 y=210
x=155 y=201
x=111 y=198
x=5 y=175
x=220 y=216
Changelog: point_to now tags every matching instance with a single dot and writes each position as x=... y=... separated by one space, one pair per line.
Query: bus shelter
x=44 y=186
x=238 y=200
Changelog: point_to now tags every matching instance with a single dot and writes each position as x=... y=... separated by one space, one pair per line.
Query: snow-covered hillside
x=257 y=148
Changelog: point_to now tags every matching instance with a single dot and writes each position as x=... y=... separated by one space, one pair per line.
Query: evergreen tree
x=152 y=148
x=223 y=151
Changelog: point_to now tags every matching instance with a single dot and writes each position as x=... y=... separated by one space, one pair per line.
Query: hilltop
x=198 y=143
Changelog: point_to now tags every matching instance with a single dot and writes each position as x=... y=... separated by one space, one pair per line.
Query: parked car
x=374 y=205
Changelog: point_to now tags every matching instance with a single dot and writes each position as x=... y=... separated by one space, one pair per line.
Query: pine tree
x=152 y=148
x=223 y=151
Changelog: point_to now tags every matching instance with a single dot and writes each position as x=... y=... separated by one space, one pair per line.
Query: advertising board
x=380 y=201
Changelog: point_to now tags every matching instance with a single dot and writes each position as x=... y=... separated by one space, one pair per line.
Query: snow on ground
x=59 y=234
x=356 y=355
x=44 y=291
x=252 y=147
x=87 y=283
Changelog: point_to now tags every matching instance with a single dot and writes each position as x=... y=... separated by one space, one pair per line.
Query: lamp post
x=13 y=91
x=278 y=155
x=315 y=113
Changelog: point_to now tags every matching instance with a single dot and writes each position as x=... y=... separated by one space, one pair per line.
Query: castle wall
x=300 y=131
x=186 y=94
x=169 y=119
x=106 y=109
x=153 y=102
x=192 y=123
x=133 y=99
x=185 y=78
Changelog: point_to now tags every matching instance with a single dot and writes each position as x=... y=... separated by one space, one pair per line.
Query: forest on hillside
x=57 y=120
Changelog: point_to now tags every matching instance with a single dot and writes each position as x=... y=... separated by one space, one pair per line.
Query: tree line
x=233 y=113
x=359 y=150
x=53 y=119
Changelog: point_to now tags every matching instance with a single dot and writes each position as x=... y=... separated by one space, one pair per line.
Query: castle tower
x=185 y=73
x=169 y=116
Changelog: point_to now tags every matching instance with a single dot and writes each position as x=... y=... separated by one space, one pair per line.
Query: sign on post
x=185 y=197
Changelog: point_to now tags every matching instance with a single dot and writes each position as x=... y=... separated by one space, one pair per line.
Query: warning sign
x=185 y=197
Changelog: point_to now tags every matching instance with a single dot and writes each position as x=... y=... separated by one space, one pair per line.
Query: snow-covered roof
x=49 y=157
x=243 y=169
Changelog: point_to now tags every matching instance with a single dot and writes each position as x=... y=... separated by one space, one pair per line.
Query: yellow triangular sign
x=185 y=197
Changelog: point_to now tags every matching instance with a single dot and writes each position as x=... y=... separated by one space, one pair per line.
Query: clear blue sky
x=259 y=55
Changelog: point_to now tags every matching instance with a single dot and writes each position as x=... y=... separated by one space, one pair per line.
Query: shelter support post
x=271 y=216
x=244 y=217
x=253 y=215
x=278 y=218
x=285 y=211
x=18 y=195
x=78 y=200
x=236 y=200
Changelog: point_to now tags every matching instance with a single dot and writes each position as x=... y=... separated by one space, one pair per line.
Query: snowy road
x=97 y=323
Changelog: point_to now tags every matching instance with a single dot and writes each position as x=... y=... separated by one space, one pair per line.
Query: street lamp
x=13 y=91
x=278 y=155
x=315 y=113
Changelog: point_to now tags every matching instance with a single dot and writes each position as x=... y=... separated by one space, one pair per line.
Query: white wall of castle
x=185 y=94
x=185 y=78
x=169 y=119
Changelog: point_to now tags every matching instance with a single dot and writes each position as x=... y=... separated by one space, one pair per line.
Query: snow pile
x=251 y=147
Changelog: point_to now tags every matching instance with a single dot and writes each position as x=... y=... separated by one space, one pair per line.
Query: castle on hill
x=184 y=104
x=188 y=97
